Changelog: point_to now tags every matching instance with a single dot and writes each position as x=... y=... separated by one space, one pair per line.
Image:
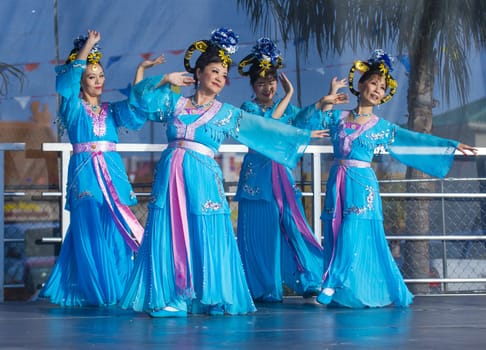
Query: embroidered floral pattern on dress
x=249 y=171
x=252 y=191
x=384 y=134
x=368 y=207
x=224 y=121
x=85 y=194
x=99 y=120
x=210 y=205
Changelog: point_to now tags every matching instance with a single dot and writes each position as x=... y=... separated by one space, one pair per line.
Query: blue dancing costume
x=276 y=244
x=358 y=263
x=96 y=256
x=189 y=258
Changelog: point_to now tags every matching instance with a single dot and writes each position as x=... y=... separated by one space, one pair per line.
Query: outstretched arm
x=139 y=73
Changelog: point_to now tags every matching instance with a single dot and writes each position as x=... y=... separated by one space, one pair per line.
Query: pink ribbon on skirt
x=279 y=173
x=337 y=217
x=179 y=223
x=103 y=175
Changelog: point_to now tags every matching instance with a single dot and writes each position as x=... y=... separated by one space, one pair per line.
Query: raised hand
x=149 y=63
x=286 y=84
x=337 y=84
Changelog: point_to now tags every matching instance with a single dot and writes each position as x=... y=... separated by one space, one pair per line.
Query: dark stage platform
x=432 y=322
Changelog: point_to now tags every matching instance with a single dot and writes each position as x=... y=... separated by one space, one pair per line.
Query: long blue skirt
x=217 y=272
x=362 y=270
x=274 y=252
x=94 y=262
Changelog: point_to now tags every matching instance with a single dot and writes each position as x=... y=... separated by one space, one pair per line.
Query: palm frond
x=451 y=29
x=8 y=71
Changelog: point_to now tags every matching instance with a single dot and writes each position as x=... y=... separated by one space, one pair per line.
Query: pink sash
x=342 y=164
x=97 y=149
x=279 y=173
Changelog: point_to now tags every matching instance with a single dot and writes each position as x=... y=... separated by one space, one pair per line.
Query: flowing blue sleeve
x=68 y=86
x=281 y=142
x=313 y=119
x=68 y=78
x=156 y=102
x=127 y=116
x=428 y=153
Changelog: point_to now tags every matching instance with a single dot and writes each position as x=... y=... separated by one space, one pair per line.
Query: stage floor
x=432 y=322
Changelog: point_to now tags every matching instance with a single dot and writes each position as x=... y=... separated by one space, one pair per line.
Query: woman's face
x=373 y=90
x=93 y=80
x=212 y=78
x=265 y=89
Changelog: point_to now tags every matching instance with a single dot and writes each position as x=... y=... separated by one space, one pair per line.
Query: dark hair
x=255 y=73
x=374 y=70
x=211 y=55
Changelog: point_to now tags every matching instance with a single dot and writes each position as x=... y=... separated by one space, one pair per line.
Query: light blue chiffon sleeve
x=127 y=116
x=68 y=78
x=156 y=102
x=428 y=153
x=281 y=142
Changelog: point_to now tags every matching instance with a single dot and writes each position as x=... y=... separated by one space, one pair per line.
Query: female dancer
x=189 y=260
x=96 y=256
x=276 y=243
x=359 y=270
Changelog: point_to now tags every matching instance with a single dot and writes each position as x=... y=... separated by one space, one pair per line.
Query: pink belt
x=193 y=146
x=98 y=146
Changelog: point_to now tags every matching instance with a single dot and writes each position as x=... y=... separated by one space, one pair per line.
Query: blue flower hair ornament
x=380 y=61
x=266 y=54
x=223 y=38
x=94 y=56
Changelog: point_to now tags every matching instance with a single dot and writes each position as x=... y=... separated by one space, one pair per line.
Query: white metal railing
x=65 y=150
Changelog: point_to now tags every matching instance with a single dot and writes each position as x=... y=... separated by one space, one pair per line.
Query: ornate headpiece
x=383 y=63
x=225 y=39
x=94 y=55
x=266 y=54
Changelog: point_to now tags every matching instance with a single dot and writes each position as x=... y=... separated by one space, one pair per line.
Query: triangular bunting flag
x=29 y=67
x=112 y=60
x=146 y=55
x=22 y=100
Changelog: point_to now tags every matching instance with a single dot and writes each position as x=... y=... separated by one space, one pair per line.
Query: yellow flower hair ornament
x=225 y=39
x=266 y=54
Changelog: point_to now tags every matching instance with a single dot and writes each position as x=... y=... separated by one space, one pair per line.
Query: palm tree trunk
x=420 y=104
